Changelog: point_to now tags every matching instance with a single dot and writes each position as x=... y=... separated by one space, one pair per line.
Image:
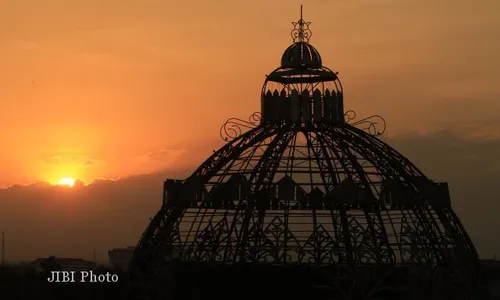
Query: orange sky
x=105 y=89
x=95 y=88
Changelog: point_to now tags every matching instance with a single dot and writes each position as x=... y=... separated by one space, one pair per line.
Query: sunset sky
x=101 y=89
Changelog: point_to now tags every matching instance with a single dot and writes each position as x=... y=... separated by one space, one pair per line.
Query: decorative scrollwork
x=301 y=31
x=301 y=34
x=234 y=127
x=374 y=125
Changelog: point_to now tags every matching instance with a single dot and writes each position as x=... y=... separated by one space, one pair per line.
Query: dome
x=314 y=184
x=301 y=54
x=302 y=194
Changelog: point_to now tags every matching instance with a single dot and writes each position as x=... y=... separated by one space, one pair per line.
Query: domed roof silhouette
x=303 y=187
x=301 y=54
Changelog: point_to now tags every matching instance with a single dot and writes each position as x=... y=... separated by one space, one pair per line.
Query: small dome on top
x=301 y=54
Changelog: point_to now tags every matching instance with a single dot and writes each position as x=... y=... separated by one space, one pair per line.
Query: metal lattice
x=306 y=187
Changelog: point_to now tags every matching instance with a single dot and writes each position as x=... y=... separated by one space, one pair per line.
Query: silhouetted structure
x=3 y=248
x=305 y=204
x=120 y=258
x=62 y=264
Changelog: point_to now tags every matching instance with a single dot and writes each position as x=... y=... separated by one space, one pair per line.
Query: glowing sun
x=67 y=181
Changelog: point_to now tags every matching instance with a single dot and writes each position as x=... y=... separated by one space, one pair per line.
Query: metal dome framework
x=307 y=186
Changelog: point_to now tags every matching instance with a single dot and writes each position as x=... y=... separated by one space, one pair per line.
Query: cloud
x=66 y=157
x=42 y=220
x=91 y=162
x=53 y=160
x=154 y=161
x=164 y=154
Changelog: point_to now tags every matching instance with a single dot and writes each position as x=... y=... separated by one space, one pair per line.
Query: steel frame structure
x=324 y=204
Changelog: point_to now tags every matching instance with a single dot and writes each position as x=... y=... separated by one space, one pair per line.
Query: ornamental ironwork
x=304 y=195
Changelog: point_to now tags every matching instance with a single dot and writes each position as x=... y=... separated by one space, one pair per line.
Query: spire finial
x=301 y=31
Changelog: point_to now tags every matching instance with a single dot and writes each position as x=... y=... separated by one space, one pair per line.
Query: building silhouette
x=62 y=264
x=120 y=257
x=305 y=201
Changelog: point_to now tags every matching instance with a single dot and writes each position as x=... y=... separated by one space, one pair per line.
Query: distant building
x=121 y=257
x=64 y=264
